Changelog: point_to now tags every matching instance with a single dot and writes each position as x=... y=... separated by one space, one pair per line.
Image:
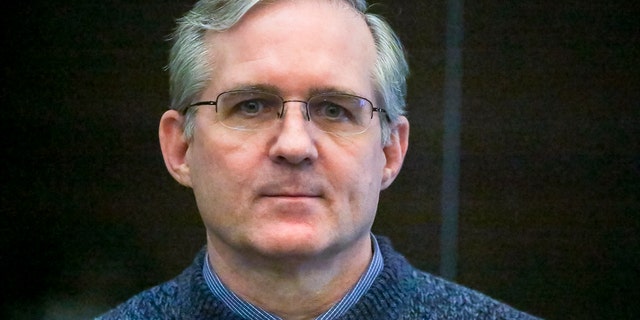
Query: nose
x=295 y=141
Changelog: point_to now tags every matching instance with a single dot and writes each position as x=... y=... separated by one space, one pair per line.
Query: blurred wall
x=550 y=167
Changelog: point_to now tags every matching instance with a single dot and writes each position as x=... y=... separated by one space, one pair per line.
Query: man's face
x=291 y=190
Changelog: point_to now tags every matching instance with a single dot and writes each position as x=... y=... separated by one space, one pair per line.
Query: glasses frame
x=307 y=116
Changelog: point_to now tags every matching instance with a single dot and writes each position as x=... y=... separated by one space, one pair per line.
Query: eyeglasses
x=337 y=113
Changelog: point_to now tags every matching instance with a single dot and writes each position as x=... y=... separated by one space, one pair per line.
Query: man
x=287 y=122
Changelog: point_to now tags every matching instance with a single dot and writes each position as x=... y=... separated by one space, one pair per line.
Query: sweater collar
x=250 y=311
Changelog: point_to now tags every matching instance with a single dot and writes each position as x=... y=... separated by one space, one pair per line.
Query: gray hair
x=190 y=71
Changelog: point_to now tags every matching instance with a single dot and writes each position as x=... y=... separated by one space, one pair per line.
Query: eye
x=250 y=107
x=331 y=111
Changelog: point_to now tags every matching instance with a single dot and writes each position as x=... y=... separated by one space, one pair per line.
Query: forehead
x=295 y=46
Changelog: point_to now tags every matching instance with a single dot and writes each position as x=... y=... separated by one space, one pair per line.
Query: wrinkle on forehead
x=297 y=27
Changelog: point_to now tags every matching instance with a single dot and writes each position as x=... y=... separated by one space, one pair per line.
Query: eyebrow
x=277 y=91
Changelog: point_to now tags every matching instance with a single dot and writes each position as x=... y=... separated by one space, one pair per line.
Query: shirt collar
x=249 y=311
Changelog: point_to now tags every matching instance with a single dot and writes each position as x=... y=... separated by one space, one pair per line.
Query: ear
x=395 y=150
x=174 y=146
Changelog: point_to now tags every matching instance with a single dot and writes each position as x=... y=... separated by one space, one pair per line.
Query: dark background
x=550 y=158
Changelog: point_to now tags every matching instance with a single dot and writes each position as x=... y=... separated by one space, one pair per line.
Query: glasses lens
x=340 y=114
x=248 y=110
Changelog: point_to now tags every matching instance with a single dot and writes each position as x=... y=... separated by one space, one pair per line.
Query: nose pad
x=304 y=109
x=282 y=112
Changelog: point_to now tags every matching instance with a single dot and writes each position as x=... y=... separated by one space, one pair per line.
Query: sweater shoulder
x=432 y=295
x=416 y=294
x=185 y=296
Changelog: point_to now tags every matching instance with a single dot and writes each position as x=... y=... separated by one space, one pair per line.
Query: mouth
x=292 y=195
x=290 y=192
x=292 y=200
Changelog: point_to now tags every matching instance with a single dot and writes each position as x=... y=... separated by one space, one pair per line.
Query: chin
x=293 y=244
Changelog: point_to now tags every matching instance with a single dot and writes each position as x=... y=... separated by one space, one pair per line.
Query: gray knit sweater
x=399 y=292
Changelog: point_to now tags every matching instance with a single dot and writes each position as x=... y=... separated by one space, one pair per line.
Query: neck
x=292 y=288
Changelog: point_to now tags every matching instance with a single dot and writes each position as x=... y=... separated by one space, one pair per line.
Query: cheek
x=222 y=176
x=362 y=178
x=375 y=168
x=360 y=193
x=220 y=165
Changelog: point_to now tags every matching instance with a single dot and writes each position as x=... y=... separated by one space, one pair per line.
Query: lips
x=291 y=190
x=291 y=194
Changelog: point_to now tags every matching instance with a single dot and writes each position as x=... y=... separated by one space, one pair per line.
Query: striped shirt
x=249 y=311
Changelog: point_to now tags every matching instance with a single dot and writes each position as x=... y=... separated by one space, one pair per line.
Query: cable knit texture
x=399 y=292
